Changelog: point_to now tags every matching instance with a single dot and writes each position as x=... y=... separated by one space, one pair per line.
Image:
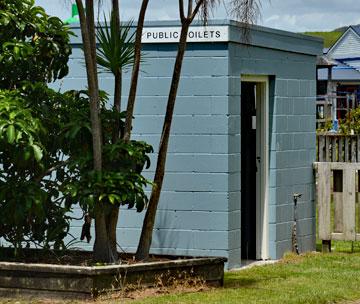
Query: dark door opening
x=248 y=170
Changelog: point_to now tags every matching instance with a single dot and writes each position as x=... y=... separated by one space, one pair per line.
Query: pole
x=295 y=247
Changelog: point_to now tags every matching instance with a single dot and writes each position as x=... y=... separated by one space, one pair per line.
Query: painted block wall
x=292 y=140
x=193 y=215
x=199 y=211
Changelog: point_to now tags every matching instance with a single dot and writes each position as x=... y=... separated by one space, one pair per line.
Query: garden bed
x=76 y=281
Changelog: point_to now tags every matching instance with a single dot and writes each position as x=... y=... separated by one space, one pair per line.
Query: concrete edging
x=22 y=279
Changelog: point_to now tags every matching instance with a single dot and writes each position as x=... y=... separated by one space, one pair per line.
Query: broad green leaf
x=38 y=153
x=10 y=133
x=112 y=199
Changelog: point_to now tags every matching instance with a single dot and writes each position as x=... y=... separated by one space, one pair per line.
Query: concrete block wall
x=292 y=139
x=193 y=214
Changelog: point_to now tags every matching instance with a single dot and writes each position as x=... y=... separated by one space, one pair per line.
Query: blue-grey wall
x=193 y=213
x=199 y=212
x=292 y=139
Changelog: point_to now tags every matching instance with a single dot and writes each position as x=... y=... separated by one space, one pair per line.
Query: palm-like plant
x=116 y=51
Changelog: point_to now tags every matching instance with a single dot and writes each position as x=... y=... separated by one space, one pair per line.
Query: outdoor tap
x=296 y=197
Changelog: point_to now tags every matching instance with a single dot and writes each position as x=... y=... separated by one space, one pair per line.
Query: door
x=254 y=167
x=248 y=170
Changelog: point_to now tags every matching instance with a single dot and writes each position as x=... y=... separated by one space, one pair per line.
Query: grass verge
x=311 y=278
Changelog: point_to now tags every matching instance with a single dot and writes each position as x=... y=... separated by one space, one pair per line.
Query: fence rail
x=338 y=148
x=337 y=184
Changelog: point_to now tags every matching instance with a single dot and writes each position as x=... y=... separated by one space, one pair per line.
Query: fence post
x=349 y=203
x=323 y=194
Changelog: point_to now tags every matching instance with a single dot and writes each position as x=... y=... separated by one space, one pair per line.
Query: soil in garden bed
x=69 y=257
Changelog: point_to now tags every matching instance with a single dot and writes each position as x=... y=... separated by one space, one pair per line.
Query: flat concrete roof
x=259 y=36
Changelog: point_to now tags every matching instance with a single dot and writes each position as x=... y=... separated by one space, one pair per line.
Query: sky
x=290 y=15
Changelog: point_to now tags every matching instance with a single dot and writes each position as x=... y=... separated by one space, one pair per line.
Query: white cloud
x=292 y=15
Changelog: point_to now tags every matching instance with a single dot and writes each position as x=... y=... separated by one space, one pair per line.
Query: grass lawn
x=312 y=278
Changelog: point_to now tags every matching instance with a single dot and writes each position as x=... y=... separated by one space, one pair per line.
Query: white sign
x=196 y=34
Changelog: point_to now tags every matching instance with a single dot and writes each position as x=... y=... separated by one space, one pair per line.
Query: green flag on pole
x=74 y=15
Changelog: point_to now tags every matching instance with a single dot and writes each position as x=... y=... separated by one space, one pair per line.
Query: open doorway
x=254 y=168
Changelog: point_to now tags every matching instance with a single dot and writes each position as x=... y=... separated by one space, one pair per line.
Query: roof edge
x=259 y=35
x=220 y=22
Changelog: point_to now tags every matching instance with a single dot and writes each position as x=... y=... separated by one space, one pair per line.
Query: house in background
x=339 y=77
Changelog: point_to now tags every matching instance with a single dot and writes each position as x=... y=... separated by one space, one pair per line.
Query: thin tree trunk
x=113 y=217
x=117 y=105
x=117 y=91
x=135 y=72
x=102 y=248
x=118 y=74
x=88 y=34
x=148 y=225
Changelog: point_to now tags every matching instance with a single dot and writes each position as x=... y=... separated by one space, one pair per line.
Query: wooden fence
x=338 y=148
x=337 y=183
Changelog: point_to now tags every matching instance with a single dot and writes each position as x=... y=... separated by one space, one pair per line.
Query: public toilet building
x=243 y=139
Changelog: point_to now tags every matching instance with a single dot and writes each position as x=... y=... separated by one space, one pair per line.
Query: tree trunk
x=88 y=33
x=118 y=74
x=135 y=72
x=103 y=250
x=112 y=221
x=148 y=225
x=113 y=217
x=117 y=106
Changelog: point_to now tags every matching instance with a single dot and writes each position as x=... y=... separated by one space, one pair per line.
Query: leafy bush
x=33 y=45
x=120 y=182
x=30 y=208
x=46 y=157
x=351 y=123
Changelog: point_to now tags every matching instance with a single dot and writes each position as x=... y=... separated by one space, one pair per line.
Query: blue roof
x=341 y=72
x=356 y=28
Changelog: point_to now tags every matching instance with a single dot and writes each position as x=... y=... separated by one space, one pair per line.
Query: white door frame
x=262 y=154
